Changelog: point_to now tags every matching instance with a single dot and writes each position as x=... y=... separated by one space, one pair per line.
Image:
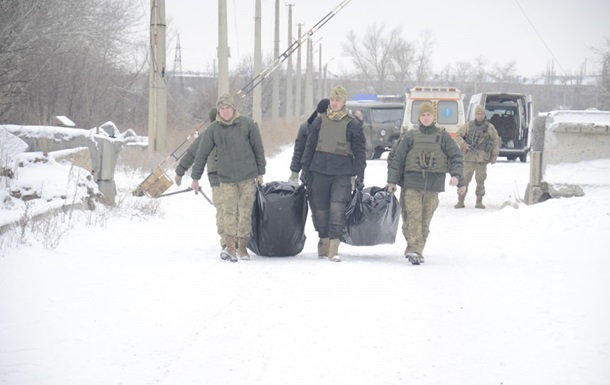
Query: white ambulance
x=448 y=107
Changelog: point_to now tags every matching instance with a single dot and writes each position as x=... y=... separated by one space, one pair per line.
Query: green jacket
x=239 y=147
x=188 y=159
x=426 y=181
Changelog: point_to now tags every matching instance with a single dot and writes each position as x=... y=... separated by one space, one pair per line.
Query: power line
x=541 y=39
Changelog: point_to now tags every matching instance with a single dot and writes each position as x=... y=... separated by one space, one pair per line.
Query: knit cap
x=426 y=107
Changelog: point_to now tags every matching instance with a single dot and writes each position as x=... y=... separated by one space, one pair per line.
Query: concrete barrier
x=561 y=137
x=104 y=145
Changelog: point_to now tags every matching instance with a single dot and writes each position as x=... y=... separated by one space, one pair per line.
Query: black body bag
x=371 y=218
x=278 y=220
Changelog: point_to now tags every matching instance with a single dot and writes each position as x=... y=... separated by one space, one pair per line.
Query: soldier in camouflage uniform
x=187 y=161
x=241 y=166
x=480 y=143
x=423 y=157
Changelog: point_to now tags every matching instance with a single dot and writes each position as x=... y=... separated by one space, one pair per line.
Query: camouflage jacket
x=480 y=143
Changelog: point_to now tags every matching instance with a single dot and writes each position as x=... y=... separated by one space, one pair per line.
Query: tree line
x=88 y=60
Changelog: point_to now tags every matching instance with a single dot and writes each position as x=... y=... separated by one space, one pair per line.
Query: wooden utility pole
x=289 y=91
x=257 y=113
x=320 y=95
x=308 y=105
x=223 y=49
x=157 y=96
x=275 y=98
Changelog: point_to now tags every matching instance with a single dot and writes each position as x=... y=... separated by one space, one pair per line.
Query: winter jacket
x=428 y=181
x=188 y=159
x=333 y=164
x=482 y=139
x=239 y=149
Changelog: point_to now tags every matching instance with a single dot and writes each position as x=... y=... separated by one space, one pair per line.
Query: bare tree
x=423 y=59
x=66 y=57
x=380 y=57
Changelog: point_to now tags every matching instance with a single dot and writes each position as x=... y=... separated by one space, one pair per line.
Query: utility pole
x=320 y=73
x=275 y=98
x=289 y=91
x=297 y=103
x=223 y=49
x=257 y=113
x=157 y=96
x=308 y=105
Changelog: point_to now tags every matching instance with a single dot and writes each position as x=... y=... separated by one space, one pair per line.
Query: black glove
x=359 y=184
x=303 y=176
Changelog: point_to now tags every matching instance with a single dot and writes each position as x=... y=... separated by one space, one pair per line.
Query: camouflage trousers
x=216 y=199
x=235 y=207
x=417 y=211
x=479 y=171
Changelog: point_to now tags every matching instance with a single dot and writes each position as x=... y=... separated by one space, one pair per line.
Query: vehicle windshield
x=386 y=115
x=446 y=112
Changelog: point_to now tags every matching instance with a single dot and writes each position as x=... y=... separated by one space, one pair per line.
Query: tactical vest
x=478 y=137
x=426 y=154
x=476 y=134
x=333 y=136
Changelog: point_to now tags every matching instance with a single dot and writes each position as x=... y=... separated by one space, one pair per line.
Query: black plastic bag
x=278 y=220
x=371 y=218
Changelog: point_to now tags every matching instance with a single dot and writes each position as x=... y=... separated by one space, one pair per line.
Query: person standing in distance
x=480 y=143
x=334 y=152
x=423 y=157
x=241 y=166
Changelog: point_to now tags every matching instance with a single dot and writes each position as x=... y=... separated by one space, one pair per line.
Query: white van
x=512 y=115
x=447 y=102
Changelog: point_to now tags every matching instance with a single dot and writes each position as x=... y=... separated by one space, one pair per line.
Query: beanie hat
x=479 y=108
x=338 y=92
x=426 y=107
x=322 y=106
x=212 y=114
x=225 y=100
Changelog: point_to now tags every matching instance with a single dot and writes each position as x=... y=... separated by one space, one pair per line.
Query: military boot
x=230 y=252
x=323 y=244
x=333 y=249
x=460 y=202
x=479 y=204
x=242 y=251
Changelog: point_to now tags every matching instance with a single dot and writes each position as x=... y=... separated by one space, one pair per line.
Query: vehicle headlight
x=382 y=132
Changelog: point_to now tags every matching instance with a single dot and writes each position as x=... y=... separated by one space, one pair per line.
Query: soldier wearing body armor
x=480 y=143
x=301 y=140
x=420 y=162
x=334 y=153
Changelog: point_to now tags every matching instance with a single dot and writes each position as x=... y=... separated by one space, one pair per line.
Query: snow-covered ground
x=513 y=294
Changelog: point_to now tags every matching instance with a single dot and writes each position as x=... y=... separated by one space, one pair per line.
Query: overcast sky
x=530 y=32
